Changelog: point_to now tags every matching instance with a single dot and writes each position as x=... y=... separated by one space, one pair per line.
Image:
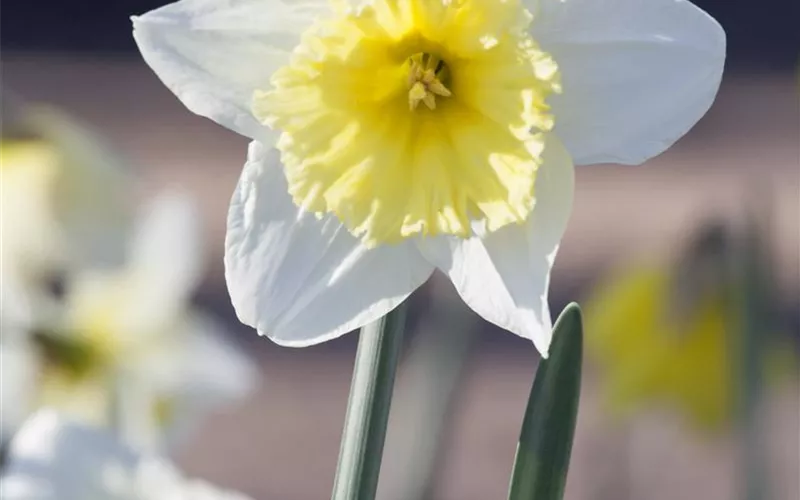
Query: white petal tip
x=308 y=341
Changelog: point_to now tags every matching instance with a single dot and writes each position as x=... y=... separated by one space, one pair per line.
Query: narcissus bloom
x=422 y=134
x=131 y=328
x=666 y=334
x=63 y=204
x=648 y=355
x=53 y=458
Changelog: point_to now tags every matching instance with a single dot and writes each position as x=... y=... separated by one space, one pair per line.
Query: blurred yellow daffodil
x=647 y=355
x=671 y=334
x=412 y=135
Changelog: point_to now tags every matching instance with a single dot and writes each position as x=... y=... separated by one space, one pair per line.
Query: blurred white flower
x=54 y=459
x=64 y=203
x=133 y=327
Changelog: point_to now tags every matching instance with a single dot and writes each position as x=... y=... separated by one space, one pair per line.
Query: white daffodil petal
x=302 y=279
x=148 y=295
x=127 y=304
x=196 y=373
x=20 y=306
x=18 y=376
x=636 y=74
x=90 y=191
x=33 y=241
x=52 y=459
x=214 y=53
x=64 y=202
x=214 y=368
x=168 y=246
x=505 y=275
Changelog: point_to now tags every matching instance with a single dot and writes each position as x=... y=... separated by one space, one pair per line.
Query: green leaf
x=545 y=442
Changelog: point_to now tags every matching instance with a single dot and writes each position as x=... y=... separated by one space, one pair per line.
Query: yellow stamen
x=424 y=81
x=417 y=93
x=439 y=89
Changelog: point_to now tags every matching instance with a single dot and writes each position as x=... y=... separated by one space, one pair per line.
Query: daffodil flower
x=53 y=458
x=422 y=134
x=135 y=324
x=64 y=204
x=666 y=334
x=646 y=356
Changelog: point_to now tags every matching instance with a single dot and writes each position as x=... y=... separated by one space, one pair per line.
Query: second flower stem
x=379 y=347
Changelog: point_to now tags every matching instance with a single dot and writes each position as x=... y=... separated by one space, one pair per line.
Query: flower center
x=71 y=355
x=425 y=75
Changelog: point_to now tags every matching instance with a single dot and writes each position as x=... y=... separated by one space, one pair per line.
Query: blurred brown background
x=283 y=443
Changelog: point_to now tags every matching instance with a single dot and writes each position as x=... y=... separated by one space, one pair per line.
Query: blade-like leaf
x=545 y=443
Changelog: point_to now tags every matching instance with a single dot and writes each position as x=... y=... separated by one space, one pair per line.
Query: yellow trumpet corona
x=356 y=142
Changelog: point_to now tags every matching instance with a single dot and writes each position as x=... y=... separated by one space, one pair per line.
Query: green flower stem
x=754 y=325
x=379 y=347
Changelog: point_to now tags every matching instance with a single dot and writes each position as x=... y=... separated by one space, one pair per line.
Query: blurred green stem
x=750 y=308
x=427 y=390
x=379 y=347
